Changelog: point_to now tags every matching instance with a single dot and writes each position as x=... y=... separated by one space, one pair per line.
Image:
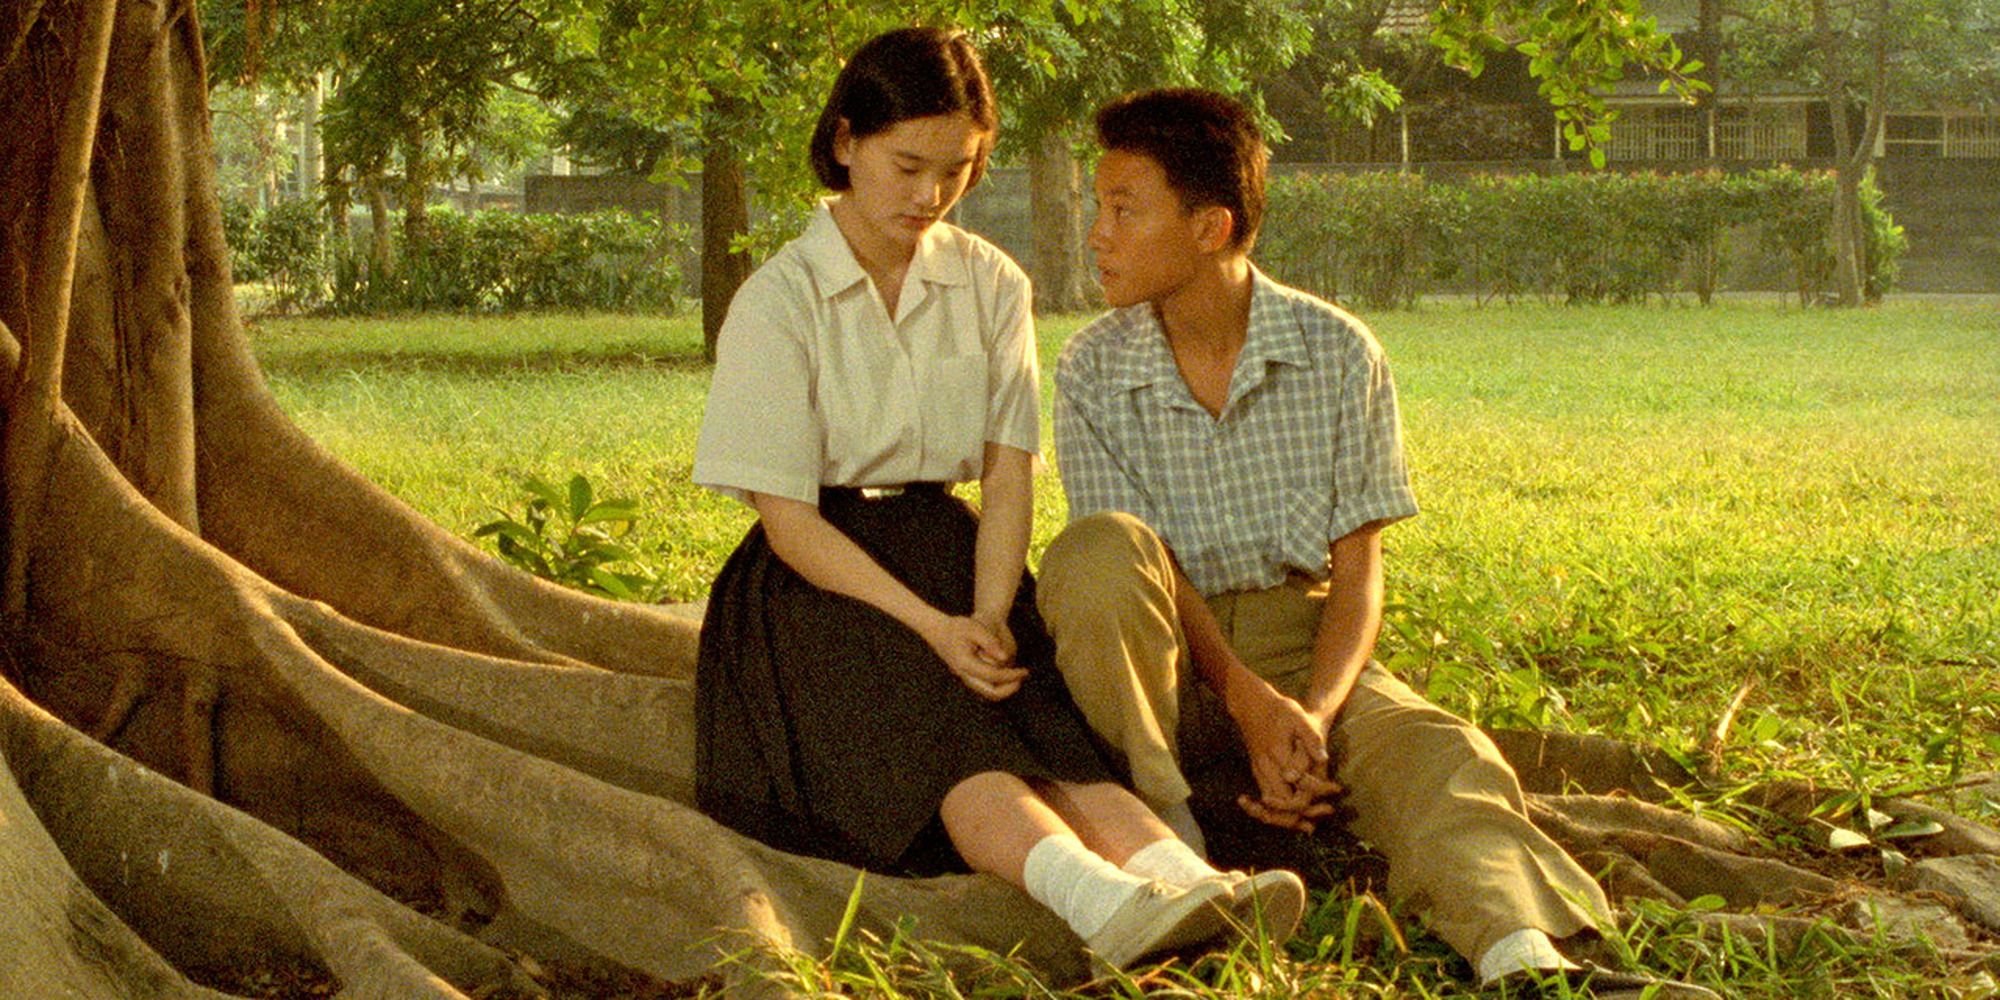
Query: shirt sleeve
x=1370 y=481
x=760 y=431
x=1014 y=374
x=1094 y=479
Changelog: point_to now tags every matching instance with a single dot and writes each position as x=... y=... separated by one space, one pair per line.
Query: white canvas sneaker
x=1160 y=918
x=1273 y=902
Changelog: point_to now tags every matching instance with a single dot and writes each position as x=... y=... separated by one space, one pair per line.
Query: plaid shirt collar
x=1274 y=336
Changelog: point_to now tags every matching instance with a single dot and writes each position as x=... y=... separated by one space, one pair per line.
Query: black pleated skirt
x=826 y=727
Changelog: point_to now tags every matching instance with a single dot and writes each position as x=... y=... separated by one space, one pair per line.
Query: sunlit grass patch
x=1627 y=512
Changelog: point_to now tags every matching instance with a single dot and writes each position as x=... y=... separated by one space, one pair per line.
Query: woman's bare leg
x=1106 y=817
x=995 y=819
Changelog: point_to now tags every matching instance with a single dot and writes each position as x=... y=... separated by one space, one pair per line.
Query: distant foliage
x=1383 y=239
x=283 y=246
x=291 y=252
x=497 y=261
x=239 y=230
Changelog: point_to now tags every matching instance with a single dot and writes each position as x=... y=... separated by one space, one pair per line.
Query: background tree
x=417 y=87
x=1054 y=71
x=1867 y=58
x=750 y=77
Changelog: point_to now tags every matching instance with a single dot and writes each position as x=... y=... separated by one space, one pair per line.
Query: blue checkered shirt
x=1307 y=449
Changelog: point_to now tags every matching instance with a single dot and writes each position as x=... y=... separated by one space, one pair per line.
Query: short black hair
x=1208 y=145
x=899 y=75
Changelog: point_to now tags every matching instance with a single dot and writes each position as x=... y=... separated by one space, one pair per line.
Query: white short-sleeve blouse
x=815 y=384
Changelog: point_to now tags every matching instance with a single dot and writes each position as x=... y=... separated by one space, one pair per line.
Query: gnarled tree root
x=537 y=823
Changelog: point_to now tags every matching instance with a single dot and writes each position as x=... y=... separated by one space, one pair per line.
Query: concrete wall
x=1950 y=213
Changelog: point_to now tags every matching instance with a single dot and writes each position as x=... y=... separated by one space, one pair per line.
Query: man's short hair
x=895 y=77
x=1208 y=145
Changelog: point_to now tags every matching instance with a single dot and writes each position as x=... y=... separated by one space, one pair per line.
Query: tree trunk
x=725 y=215
x=312 y=165
x=1849 y=159
x=381 y=239
x=416 y=189
x=255 y=712
x=1055 y=185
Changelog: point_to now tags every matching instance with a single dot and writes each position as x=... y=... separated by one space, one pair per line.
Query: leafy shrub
x=1581 y=237
x=498 y=261
x=1882 y=243
x=569 y=536
x=1380 y=234
x=239 y=230
x=289 y=251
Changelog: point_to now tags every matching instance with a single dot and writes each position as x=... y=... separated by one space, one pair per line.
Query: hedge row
x=491 y=261
x=1384 y=238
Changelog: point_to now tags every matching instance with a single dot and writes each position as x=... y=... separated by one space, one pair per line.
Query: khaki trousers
x=1426 y=789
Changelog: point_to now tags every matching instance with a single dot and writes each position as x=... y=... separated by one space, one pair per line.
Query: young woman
x=874 y=685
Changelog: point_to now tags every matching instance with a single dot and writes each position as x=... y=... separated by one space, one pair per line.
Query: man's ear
x=1215 y=227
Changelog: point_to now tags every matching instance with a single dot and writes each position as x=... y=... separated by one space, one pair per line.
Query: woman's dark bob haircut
x=897 y=76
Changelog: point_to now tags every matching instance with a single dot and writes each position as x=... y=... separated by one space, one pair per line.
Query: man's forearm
x=1214 y=659
x=1349 y=623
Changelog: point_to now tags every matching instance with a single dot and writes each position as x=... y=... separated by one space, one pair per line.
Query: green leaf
x=1840 y=838
x=511 y=531
x=847 y=916
x=540 y=489
x=610 y=510
x=611 y=584
x=579 y=497
x=1912 y=828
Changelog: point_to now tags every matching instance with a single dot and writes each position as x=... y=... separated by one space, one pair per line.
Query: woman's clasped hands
x=979 y=652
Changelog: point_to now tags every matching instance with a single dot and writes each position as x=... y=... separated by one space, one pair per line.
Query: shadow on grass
x=321 y=363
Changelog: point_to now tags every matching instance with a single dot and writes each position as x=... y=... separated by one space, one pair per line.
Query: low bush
x=487 y=262
x=1383 y=239
x=498 y=261
x=283 y=246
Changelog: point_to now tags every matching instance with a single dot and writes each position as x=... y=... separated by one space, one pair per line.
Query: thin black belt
x=880 y=492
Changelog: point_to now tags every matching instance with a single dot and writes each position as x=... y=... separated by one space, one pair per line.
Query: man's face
x=1147 y=242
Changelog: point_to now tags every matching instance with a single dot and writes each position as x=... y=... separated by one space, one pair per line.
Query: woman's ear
x=843 y=143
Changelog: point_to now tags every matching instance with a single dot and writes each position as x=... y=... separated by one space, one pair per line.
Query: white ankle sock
x=1171 y=861
x=1526 y=948
x=1179 y=818
x=1078 y=884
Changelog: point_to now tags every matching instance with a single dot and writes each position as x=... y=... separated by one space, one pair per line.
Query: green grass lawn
x=1628 y=514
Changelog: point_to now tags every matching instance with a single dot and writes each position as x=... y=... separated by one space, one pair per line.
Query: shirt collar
x=828 y=255
x=1274 y=336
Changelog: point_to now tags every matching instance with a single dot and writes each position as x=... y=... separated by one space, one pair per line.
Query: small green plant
x=569 y=536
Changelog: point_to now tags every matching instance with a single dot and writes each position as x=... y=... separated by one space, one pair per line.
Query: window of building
x=1760 y=131
x=1643 y=133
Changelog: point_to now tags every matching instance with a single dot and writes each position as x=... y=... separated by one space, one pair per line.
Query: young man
x=1231 y=453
